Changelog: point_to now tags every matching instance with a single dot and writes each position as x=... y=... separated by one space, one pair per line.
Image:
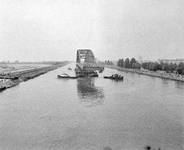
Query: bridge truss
x=86 y=63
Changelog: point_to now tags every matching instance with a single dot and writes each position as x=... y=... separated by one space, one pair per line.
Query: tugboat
x=115 y=77
x=66 y=76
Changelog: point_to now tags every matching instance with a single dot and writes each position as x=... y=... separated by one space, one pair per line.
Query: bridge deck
x=90 y=67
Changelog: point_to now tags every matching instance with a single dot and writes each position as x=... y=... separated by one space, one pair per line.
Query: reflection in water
x=165 y=82
x=179 y=85
x=140 y=113
x=88 y=92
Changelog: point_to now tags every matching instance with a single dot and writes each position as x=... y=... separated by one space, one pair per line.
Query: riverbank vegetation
x=127 y=63
x=106 y=62
x=152 y=66
x=25 y=72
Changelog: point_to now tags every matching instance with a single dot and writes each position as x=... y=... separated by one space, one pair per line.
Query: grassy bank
x=30 y=74
x=149 y=73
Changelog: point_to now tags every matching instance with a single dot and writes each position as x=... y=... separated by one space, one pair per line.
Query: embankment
x=148 y=73
x=30 y=74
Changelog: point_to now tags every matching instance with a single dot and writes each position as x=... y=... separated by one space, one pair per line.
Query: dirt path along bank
x=22 y=76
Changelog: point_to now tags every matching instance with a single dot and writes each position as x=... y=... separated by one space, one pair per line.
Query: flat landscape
x=13 y=74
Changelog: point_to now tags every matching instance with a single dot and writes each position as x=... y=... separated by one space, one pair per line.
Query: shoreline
x=29 y=74
x=147 y=73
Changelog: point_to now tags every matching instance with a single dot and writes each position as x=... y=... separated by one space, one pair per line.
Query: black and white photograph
x=91 y=74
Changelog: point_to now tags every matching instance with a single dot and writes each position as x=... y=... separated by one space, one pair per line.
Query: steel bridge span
x=85 y=61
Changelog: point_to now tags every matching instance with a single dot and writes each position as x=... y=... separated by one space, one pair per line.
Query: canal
x=92 y=113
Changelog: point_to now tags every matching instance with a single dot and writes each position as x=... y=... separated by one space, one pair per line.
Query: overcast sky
x=43 y=30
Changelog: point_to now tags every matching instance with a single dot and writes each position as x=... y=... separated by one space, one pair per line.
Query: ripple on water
x=139 y=113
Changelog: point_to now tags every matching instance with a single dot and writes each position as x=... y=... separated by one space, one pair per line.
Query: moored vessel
x=64 y=75
x=115 y=77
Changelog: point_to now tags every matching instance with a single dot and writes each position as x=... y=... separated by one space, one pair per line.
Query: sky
x=53 y=30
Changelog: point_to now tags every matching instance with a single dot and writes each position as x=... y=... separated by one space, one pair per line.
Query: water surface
x=92 y=113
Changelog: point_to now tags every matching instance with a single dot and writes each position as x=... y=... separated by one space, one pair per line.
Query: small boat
x=114 y=77
x=66 y=76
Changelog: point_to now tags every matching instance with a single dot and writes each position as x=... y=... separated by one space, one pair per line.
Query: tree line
x=169 y=68
x=153 y=66
x=129 y=63
x=106 y=62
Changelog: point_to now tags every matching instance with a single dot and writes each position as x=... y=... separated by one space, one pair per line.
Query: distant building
x=16 y=61
x=168 y=61
x=153 y=61
x=139 y=59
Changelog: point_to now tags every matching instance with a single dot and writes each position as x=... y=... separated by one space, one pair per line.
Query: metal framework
x=86 y=55
x=85 y=61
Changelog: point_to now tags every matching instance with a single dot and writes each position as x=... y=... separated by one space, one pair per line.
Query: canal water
x=47 y=113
